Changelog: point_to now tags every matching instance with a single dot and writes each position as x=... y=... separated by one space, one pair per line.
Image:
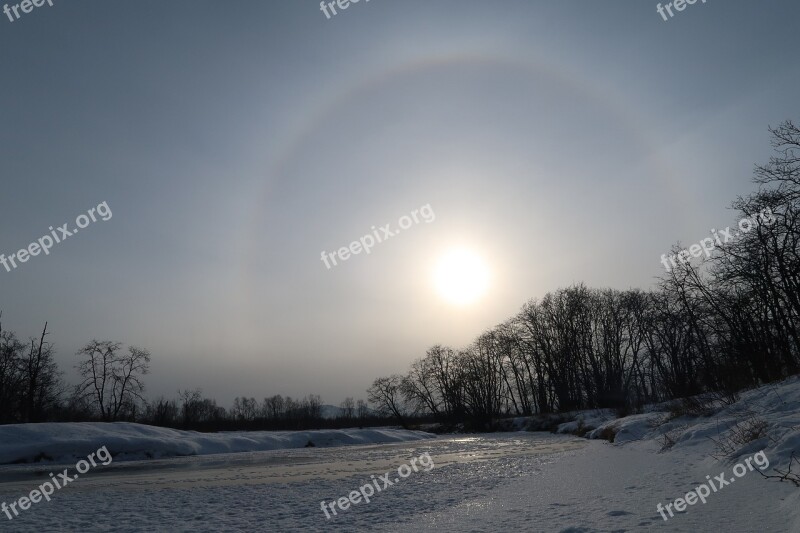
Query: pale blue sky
x=565 y=141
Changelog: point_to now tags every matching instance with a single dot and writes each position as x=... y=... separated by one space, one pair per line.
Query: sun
x=461 y=276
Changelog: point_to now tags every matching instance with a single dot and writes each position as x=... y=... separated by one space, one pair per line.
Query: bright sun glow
x=461 y=276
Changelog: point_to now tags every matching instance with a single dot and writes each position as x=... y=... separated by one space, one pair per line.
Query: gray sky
x=560 y=141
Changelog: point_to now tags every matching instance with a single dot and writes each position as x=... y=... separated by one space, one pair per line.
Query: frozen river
x=495 y=482
x=279 y=490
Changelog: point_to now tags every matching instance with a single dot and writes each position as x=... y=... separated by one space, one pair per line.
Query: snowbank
x=710 y=435
x=70 y=441
x=770 y=413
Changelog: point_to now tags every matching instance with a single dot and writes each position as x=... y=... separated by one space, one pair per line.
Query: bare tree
x=191 y=406
x=273 y=407
x=244 y=409
x=10 y=377
x=312 y=407
x=162 y=412
x=348 y=408
x=386 y=394
x=41 y=379
x=362 y=409
x=419 y=388
x=113 y=380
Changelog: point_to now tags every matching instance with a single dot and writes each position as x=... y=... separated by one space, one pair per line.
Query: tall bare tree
x=386 y=394
x=111 y=379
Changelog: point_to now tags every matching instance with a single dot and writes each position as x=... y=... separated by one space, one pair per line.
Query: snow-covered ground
x=776 y=408
x=496 y=482
x=606 y=488
x=68 y=442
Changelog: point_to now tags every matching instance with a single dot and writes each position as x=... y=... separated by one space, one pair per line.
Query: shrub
x=744 y=432
x=694 y=406
x=669 y=438
x=582 y=428
x=608 y=433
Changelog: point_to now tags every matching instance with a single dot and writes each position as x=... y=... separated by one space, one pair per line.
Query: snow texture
x=66 y=442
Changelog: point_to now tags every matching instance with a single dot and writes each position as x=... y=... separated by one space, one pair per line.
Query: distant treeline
x=722 y=324
x=111 y=389
x=192 y=411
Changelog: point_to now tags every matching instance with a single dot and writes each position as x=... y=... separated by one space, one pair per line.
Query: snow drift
x=67 y=442
x=772 y=411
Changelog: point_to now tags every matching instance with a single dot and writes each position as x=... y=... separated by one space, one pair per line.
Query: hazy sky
x=560 y=141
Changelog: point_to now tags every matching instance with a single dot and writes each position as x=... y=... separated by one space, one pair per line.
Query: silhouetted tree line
x=112 y=387
x=725 y=323
x=32 y=388
x=192 y=411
